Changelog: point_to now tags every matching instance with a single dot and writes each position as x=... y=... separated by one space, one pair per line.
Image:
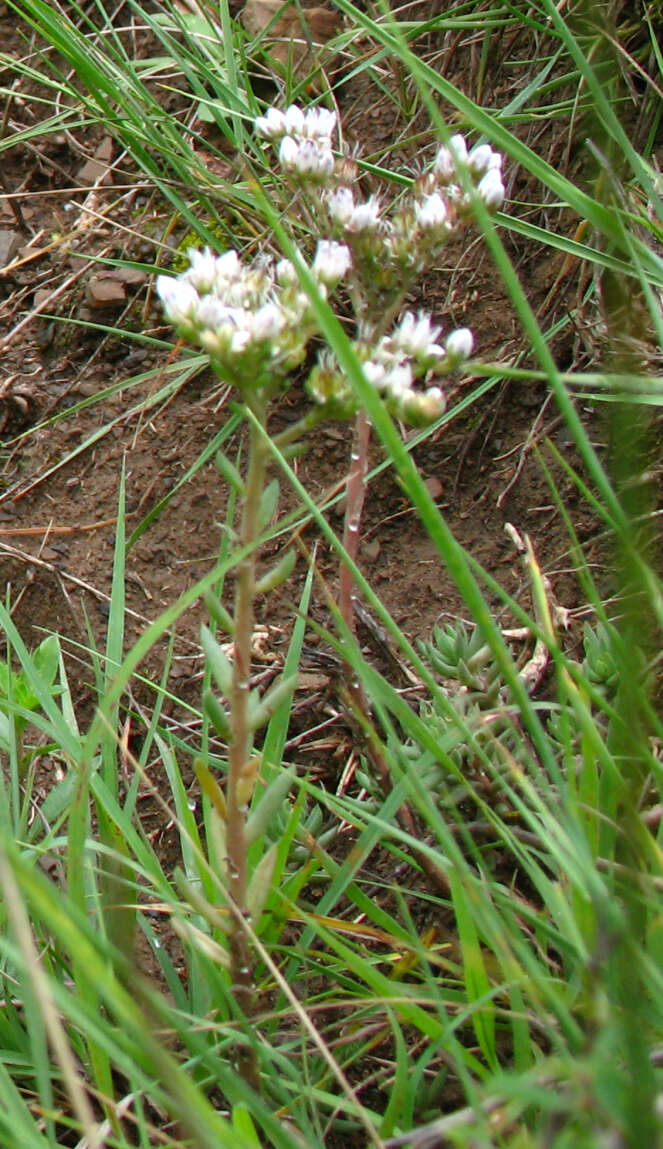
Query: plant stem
x=355 y=494
x=239 y=754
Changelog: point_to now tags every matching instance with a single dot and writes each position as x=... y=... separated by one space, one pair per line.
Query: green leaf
x=218 y=661
x=268 y=806
x=217 y=715
x=278 y=574
x=268 y=503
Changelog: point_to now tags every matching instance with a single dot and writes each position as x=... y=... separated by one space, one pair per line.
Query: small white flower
x=376 y=373
x=431 y=212
x=458 y=148
x=288 y=152
x=449 y=157
x=213 y=314
x=459 y=344
x=295 y=121
x=272 y=124
x=365 y=216
x=268 y=322
x=306 y=158
x=315 y=158
x=319 y=124
x=180 y=299
x=398 y=380
x=202 y=270
x=483 y=159
x=286 y=273
x=415 y=335
x=228 y=268
x=340 y=205
x=491 y=189
x=332 y=261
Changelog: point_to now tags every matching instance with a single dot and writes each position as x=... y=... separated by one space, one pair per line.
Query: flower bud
x=458 y=148
x=431 y=212
x=180 y=300
x=272 y=124
x=459 y=345
x=340 y=205
x=422 y=407
x=319 y=124
x=288 y=152
x=483 y=159
x=491 y=189
x=286 y=273
x=444 y=165
x=332 y=261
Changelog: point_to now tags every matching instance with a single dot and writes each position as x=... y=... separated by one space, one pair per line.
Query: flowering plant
x=255 y=323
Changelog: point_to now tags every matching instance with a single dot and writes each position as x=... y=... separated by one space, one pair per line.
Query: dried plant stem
x=239 y=753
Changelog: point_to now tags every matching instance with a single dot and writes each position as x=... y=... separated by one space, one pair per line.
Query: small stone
x=134 y=276
x=95 y=170
x=10 y=241
x=434 y=487
x=41 y=295
x=103 y=291
x=371 y=550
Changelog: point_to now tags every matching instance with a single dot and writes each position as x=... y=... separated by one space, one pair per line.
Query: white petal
x=288 y=152
x=320 y=123
x=295 y=121
x=432 y=211
x=268 y=322
x=180 y=299
x=228 y=267
x=332 y=261
x=272 y=124
x=340 y=205
x=491 y=189
x=482 y=158
x=365 y=216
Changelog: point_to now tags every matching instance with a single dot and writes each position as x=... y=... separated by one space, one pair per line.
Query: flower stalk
x=241 y=742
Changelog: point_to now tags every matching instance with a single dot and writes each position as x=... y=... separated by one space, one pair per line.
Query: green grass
x=532 y=1016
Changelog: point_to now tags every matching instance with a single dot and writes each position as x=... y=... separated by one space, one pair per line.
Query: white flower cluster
x=253 y=320
x=389 y=244
x=483 y=165
x=402 y=366
x=305 y=147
